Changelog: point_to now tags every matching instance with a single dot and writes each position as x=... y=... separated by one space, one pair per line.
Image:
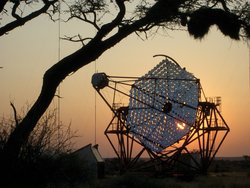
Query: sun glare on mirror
x=181 y=125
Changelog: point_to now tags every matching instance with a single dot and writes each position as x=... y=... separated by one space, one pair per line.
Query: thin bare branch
x=76 y=38
x=84 y=19
x=80 y=38
x=15 y=113
x=14 y=9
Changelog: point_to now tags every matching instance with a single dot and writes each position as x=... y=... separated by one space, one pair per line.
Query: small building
x=91 y=157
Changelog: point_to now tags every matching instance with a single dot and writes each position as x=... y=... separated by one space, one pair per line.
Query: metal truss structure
x=161 y=116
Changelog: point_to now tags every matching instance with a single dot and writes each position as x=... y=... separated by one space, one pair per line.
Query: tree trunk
x=51 y=80
x=55 y=75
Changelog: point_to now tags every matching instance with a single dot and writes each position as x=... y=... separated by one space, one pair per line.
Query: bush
x=45 y=158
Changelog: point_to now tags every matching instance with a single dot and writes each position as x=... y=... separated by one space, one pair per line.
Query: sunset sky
x=220 y=63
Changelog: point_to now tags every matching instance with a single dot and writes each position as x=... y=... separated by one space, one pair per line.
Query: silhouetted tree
x=231 y=17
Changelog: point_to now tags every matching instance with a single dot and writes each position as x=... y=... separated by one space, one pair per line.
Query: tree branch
x=15 y=113
x=2 y=4
x=85 y=20
x=224 y=5
x=105 y=29
x=73 y=39
x=22 y=20
x=13 y=12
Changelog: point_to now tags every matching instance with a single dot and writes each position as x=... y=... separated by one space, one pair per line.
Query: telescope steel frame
x=205 y=132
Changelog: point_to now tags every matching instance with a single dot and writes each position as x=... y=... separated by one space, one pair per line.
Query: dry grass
x=218 y=180
x=222 y=174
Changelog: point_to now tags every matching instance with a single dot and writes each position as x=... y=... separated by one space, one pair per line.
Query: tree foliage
x=166 y=14
x=232 y=17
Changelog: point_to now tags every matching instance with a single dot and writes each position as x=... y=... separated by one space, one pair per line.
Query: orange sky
x=221 y=64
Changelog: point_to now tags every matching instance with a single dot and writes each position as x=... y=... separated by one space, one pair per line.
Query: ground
x=222 y=174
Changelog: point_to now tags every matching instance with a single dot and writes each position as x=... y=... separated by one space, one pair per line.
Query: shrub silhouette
x=46 y=157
